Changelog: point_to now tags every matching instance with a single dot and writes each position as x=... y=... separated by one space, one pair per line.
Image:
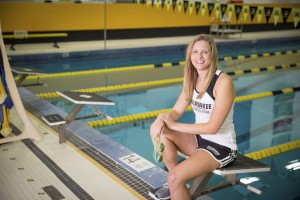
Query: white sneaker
x=163 y=193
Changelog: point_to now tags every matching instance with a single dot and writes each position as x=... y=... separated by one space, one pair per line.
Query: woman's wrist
x=159 y=120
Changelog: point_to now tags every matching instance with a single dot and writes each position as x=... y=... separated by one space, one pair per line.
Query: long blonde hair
x=190 y=73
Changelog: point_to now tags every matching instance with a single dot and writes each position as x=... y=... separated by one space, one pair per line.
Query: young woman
x=210 y=142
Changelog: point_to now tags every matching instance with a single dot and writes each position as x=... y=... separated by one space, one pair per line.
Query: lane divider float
x=275 y=150
x=152 y=114
x=118 y=87
x=151 y=66
x=275 y=53
x=148 y=84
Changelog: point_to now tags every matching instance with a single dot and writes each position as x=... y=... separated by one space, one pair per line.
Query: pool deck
x=24 y=176
x=22 y=49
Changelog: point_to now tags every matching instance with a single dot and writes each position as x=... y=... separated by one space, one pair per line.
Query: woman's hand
x=156 y=127
x=167 y=119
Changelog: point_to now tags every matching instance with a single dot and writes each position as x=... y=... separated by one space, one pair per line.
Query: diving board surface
x=24 y=73
x=243 y=164
x=85 y=98
x=24 y=70
x=80 y=99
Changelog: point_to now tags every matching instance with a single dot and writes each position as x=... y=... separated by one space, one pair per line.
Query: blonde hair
x=190 y=73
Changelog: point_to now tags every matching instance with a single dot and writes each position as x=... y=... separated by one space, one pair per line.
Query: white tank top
x=203 y=108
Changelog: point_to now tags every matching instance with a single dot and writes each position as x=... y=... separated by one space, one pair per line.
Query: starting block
x=54 y=119
x=80 y=99
x=26 y=72
x=241 y=165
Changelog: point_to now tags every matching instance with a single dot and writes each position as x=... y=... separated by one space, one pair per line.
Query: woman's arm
x=174 y=114
x=224 y=93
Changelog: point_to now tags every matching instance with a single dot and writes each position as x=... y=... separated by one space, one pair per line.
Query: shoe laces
x=165 y=185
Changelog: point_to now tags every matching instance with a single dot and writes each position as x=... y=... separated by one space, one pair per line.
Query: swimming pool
x=280 y=124
x=101 y=59
x=162 y=98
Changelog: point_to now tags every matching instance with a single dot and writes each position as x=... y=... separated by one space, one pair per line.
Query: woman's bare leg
x=197 y=164
x=173 y=141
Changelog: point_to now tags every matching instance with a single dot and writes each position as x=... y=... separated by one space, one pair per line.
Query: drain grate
x=119 y=171
x=53 y=192
x=61 y=175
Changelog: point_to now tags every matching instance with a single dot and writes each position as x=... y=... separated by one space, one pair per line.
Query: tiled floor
x=27 y=168
x=23 y=172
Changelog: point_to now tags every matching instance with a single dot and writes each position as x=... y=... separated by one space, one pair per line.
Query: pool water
x=277 y=112
x=259 y=123
x=101 y=59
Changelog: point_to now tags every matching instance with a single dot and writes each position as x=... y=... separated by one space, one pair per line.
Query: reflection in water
x=283 y=118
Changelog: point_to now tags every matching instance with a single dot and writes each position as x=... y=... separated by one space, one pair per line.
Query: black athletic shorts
x=221 y=154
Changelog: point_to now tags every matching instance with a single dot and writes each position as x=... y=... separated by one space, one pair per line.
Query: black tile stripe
x=61 y=175
x=136 y=183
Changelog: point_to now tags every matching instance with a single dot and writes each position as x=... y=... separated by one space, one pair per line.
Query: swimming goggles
x=159 y=147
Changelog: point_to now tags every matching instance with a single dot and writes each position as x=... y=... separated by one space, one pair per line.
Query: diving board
x=26 y=72
x=22 y=34
x=29 y=131
x=241 y=165
x=80 y=99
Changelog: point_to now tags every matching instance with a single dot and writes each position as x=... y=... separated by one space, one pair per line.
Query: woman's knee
x=175 y=180
x=168 y=134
